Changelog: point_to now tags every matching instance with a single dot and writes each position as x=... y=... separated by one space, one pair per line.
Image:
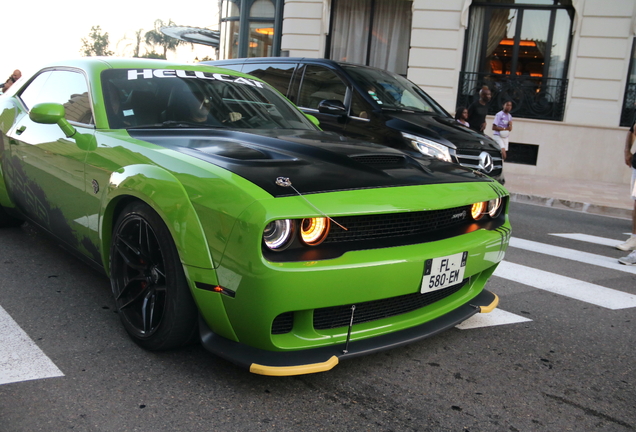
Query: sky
x=53 y=31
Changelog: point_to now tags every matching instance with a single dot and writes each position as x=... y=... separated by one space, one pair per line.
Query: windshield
x=392 y=91
x=143 y=98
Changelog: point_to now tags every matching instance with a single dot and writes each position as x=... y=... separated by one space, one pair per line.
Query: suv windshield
x=142 y=98
x=392 y=91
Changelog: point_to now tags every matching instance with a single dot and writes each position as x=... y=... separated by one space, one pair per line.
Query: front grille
x=395 y=224
x=340 y=316
x=380 y=160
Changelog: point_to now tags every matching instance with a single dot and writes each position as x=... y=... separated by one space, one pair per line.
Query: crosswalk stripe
x=590 y=239
x=494 y=318
x=571 y=254
x=566 y=286
x=20 y=358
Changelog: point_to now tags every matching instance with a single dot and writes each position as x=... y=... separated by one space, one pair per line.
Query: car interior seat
x=144 y=107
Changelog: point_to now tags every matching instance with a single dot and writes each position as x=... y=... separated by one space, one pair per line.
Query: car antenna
x=285 y=182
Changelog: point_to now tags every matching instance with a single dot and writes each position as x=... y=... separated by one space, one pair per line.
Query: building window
x=230 y=24
x=371 y=32
x=250 y=28
x=520 y=50
x=628 y=114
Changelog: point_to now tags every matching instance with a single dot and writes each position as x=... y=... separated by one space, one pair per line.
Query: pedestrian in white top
x=502 y=125
x=630 y=161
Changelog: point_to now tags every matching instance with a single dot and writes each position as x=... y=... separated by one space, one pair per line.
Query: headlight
x=428 y=147
x=277 y=234
x=314 y=230
x=494 y=207
x=478 y=210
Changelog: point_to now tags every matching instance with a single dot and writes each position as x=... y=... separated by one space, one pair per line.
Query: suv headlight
x=428 y=147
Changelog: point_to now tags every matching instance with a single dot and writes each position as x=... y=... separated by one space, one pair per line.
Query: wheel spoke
x=148 y=310
x=129 y=285
x=132 y=261
x=145 y=239
x=143 y=292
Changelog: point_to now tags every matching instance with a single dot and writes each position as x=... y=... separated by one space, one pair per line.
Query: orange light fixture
x=529 y=43
x=266 y=31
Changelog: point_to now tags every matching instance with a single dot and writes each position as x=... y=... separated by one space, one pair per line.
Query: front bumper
x=286 y=363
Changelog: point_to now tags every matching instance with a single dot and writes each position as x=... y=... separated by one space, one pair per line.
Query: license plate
x=443 y=272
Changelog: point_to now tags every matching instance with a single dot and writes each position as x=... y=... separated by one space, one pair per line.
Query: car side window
x=359 y=107
x=30 y=94
x=320 y=83
x=64 y=87
x=278 y=75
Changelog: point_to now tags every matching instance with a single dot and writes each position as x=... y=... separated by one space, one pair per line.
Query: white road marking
x=591 y=239
x=20 y=357
x=571 y=254
x=573 y=288
x=494 y=318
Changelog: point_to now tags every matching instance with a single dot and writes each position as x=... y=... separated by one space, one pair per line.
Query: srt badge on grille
x=461 y=215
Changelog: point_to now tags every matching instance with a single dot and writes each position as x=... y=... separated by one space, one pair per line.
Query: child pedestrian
x=461 y=115
x=502 y=125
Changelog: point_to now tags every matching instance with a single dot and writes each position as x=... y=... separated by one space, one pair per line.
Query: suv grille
x=472 y=159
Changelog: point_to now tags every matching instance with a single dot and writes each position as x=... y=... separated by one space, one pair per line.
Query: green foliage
x=137 y=42
x=96 y=44
x=153 y=55
x=155 y=37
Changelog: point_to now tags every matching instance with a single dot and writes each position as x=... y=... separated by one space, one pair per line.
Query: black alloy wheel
x=148 y=282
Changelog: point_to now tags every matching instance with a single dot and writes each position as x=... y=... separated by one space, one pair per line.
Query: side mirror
x=332 y=106
x=47 y=113
x=313 y=119
x=52 y=113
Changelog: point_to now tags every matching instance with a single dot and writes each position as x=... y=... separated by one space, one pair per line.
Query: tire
x=7 y=220
x=148 y=282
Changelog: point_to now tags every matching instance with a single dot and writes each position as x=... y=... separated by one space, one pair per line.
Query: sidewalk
x=608 y=199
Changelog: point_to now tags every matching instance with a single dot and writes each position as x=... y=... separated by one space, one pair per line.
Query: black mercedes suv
x=374 y=105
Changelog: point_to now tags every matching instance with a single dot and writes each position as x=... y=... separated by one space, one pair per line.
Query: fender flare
x=162 y=191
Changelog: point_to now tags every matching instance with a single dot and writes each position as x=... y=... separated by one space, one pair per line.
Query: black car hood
x=439 y=128
x=313 y=161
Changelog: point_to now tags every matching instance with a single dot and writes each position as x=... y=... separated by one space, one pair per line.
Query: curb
x=571 y=205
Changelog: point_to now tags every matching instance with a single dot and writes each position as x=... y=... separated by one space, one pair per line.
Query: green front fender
x=165 y=194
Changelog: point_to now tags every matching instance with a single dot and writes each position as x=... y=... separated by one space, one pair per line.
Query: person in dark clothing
x=478 y=110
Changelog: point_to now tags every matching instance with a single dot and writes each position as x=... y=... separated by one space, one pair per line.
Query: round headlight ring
x=494 y=207
x=277 y=234
x=314 y=231
x=478 y=209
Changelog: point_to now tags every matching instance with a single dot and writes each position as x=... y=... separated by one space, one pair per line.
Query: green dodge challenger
x=221 y=212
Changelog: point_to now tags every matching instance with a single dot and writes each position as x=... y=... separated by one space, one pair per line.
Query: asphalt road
x=564 y=361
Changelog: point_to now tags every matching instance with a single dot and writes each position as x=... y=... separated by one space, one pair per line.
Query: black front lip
x=296 y=362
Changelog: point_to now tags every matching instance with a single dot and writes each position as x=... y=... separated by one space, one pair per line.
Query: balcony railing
x=532 y=97
x=628 y=114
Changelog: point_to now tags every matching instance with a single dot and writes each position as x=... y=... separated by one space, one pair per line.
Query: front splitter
x=287 y=363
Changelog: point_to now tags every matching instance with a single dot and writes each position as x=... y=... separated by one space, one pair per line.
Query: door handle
x=20 y=130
